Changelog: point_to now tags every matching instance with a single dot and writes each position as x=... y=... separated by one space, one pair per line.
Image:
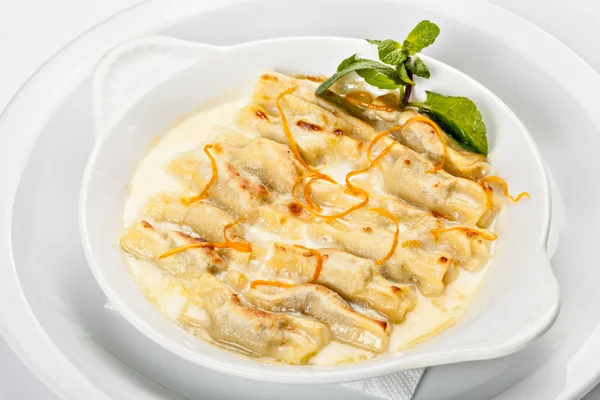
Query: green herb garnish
x=373 y=72
x=418 y=68
x=397 y=64
x=457 y=116
x=423 y=35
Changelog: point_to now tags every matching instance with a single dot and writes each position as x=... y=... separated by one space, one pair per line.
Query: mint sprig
x=458 y=116
x=397 y=62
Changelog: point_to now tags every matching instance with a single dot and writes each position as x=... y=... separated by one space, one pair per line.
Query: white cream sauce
x=169 y=294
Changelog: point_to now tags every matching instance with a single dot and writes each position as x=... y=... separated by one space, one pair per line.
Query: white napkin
x=400 y=386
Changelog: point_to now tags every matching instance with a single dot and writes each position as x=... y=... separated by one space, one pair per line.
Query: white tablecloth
x=41 y=27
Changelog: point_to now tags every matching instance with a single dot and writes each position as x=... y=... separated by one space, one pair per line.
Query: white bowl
x=140 y=87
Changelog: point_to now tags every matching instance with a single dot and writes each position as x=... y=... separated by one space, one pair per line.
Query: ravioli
x=271 y=161
x=143 y=241
x=327 y=306
x=354 y=278
x=303 y=228
x=279 y=336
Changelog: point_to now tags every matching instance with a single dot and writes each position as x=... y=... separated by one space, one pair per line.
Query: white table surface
x=32 y=30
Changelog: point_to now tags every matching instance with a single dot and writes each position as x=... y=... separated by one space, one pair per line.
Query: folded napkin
x=400 y=386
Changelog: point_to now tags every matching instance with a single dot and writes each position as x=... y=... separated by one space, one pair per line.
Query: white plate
x=75 y=340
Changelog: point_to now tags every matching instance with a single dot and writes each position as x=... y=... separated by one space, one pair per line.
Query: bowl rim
x=314 y=374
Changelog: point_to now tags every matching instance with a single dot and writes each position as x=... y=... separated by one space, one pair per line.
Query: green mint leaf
x=391 y=52
x=403 y=74
x=383 y=79
x=360 y=64
x=423 y=35
x=418 y=67
x=373 y=41
x=457 y=116
x=347 y=62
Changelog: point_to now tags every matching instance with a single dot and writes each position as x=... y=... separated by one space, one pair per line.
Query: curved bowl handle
x=492 y=328
x=530 y=309
x=132 y=69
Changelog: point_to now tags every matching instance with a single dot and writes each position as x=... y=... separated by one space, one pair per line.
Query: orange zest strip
x=387 y=214
x=357 y=191
x=409 y=121
x=292 y=141
x=502 y=182
x=440 y=135
x=348 y=211
x=371 y=165
x=295 y=186
x=319 y=265
x=380 y=135
x=243 y=247
x=310 y=206
x=488 y=192
x=307 y=197
x=350 y=99
x=190 y=200
x=288 y=133
x=290 y=138
x=412 y=244
x=193 y=246
x=259 y=282
x=361 y=95
x=353 y=189
x=484 y=234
